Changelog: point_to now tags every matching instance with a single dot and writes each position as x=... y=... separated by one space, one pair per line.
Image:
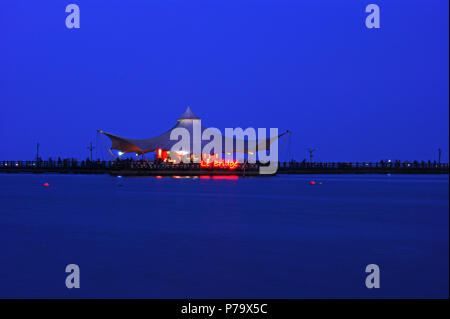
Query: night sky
x=308 y=66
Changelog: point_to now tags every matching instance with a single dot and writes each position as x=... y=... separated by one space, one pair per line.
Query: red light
x=220 y=164
x=205 y=177
x=46 y=185
x=159 y=153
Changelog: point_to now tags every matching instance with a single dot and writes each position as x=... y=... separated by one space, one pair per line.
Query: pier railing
x=107 y=165
x=362 y=165
x=70 y=165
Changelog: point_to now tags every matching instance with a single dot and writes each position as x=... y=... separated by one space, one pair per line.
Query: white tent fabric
x=163 y=141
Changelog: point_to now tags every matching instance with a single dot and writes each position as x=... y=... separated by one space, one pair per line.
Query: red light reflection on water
x=229 y=177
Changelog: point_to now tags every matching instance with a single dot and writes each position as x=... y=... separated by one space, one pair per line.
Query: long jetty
x=144 y=168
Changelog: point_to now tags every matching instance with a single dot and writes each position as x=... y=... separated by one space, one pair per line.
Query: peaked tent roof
x=188 y=115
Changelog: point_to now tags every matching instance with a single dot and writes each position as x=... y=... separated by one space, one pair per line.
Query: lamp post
x=311 y=151
x=90 y=148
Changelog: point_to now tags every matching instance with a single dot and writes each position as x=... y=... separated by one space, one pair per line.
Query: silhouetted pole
x=90 y=148
x=311 y=151
x=440 y=153
x=37 y=152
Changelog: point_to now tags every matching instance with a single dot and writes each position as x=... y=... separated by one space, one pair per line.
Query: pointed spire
x=188 y=115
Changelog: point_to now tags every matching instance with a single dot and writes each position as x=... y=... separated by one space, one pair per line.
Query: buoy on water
x=46 y=185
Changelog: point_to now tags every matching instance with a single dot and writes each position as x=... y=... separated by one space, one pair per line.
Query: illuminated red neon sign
x=220 y=164
x=161 y=154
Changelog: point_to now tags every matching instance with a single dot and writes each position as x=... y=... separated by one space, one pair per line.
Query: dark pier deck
x=140 y=168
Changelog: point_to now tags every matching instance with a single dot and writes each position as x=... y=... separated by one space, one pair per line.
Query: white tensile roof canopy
x=163 y=141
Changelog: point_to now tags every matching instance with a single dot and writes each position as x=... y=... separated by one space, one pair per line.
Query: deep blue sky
x=308 y=66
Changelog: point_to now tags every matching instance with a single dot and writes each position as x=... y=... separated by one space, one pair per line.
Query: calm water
x=274 y=237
